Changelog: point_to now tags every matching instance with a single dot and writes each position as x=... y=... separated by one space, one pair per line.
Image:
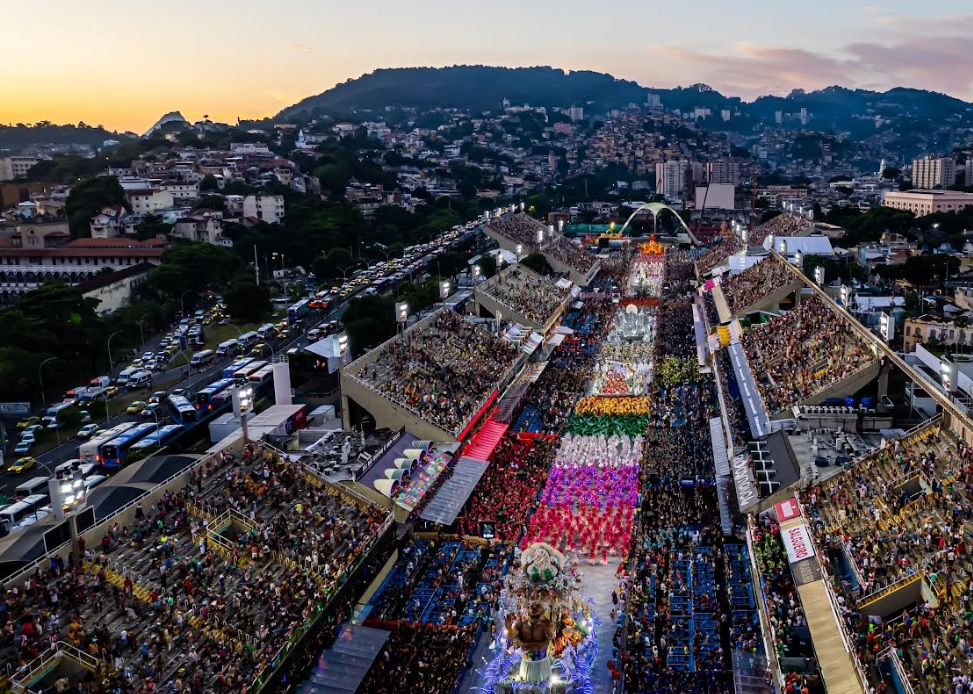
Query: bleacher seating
x=443 y=371
x=521 y=289
x=797 y=354
x=757 y=281
x=523 y=230
x=898 y=515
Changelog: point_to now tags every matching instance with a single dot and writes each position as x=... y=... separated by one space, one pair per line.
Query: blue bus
x=160 y=438
x=204 y=397
x=181 y=410
x=296 y=312
x=115 y=450
x=236 y=366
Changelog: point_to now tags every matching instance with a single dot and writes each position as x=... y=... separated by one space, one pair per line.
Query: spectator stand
x=436 y=379
x=895 y=531
x=523 y=235
x=763 y=286
x=519 y=294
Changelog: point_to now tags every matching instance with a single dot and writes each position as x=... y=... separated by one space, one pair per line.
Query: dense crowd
x=757 y=281
x=781 y=225
x=508 y=488
x=900 y=512
x=588 y=502
x=170 y=598
x=783 y=604
x=523 y=230
x=419 y=658
x=676 y=333
x=798 y=353
x=442 y=371
x=529 y=294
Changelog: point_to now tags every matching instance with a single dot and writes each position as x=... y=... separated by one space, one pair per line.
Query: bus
x=230 y=370
x=263 y=375
x=25 y=509
x=251 y=368
x=160 y=438
x=202 y=358
x=204 y=396
x=90 y=450
x=37 y=485
x=182 y=411
x=320 y=302
x=296 y=312
x=113 y=452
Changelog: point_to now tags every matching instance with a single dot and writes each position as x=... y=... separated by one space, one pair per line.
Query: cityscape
x=495 y=378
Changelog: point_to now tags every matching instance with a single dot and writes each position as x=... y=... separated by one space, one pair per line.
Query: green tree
x=891 y=172
x=152 y=226
x=209 y=184
x=246 y=300
x=488 y=265
x=538 y=263
x=369 y=321
x=87 y=198
x=211 y=202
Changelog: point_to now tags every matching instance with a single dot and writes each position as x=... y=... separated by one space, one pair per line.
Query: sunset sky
x=122 y=65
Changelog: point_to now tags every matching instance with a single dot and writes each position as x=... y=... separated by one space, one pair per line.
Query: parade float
x=545 y=639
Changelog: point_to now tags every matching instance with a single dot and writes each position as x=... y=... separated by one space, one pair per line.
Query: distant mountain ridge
x=479 y=88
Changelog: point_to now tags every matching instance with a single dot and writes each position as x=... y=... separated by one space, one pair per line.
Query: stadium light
x=444 y=290
x=476 y=272
x=342 y=344
x=819 y=275
x=401 y=312
x=540 y=236
x=520 y=250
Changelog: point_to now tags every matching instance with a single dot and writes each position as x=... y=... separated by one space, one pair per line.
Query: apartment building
x=933 y=172
x=264 y=208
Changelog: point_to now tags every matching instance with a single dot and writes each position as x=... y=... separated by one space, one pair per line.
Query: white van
x=125 y=375
x=139 y=379
x=228 y=347
x=202 y=358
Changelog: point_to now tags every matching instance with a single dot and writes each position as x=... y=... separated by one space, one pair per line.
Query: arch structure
x=655 y=208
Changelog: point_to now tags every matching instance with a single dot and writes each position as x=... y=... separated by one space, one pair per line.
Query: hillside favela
x=652 y=376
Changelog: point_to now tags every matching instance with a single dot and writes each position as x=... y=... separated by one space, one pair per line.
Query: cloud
x=300 y=47
x=934 y=57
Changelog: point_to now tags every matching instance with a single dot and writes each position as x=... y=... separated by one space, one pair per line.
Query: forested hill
x=478 y=88
x=15 y=137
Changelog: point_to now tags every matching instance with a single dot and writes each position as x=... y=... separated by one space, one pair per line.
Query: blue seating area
x=397 y=585
x=496 y=565
x=743 y=602
x=530 y=420
x=707 y=628
x=581 y=322
x=444 y=598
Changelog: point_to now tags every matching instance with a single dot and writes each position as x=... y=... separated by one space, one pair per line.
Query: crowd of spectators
x=903 y=511
x=717 y=253
x=442 y=371
x=529 y=294
x=799 y=352
x=788 y=624
x=523 y=230
x=782 y=225
x=757 y=281
x=675 y=335
x=419 y=658
x=169 y=598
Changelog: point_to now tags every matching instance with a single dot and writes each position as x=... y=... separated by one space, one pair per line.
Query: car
x=111 y=391
x=152 y=411
x=28 y=437
x=148 y=355
x=135 y=407
x=179 y=391
x=157 y=396
x=22 y=465
x=33 y=430
x=23 y=447
x=87 y=430
x=30 y=421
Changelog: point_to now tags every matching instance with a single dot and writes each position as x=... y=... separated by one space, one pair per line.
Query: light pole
x=141 y=333
x=344 y=272
x=40 y=377
x=182 y=301
x=111 y=363
x=388 y=256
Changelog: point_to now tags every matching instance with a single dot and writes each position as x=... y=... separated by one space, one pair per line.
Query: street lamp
x=182 y=301
x=111 y=364
x=40 y=377
x=141 y=333
x=344 y=272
